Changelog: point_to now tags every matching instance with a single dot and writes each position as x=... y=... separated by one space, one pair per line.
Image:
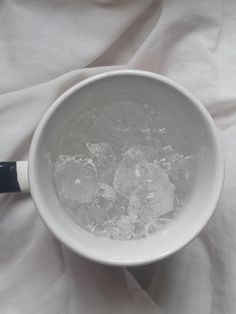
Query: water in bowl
x=120 y=171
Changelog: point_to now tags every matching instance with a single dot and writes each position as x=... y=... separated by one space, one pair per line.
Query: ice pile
x=125 y=182
x=121 y=200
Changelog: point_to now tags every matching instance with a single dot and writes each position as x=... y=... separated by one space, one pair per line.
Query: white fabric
x=46 y=47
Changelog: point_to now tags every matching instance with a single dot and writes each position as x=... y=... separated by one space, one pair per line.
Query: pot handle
x=14 y=176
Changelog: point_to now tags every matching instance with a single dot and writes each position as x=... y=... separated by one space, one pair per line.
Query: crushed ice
x=127 y=183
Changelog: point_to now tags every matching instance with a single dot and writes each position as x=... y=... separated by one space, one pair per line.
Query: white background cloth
x=47 y=46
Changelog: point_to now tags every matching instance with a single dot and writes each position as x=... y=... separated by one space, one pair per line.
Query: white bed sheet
x=46 y=47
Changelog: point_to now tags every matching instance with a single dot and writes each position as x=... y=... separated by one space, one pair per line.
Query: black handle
x=8 y=177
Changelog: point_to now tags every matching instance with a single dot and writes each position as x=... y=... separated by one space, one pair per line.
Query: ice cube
x=152 y=202
x=105 y=160
x=102 y=153
x=104 y=197
x=95 y=213
x=135 y=173
x=126 y=175
x=93 y=217
x=75 y=179
x=179 y=169
x=120 y=228
x=129 y=172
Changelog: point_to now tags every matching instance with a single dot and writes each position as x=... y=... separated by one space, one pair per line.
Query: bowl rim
x=53 y=226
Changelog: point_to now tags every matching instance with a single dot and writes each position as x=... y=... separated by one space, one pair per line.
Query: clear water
x=118 y=172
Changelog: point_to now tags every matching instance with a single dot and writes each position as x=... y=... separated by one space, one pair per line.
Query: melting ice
x=124 y=181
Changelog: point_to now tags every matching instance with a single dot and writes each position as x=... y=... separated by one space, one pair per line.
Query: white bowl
x=198 y=128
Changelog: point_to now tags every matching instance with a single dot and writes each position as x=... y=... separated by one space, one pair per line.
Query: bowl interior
x=189 y=117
